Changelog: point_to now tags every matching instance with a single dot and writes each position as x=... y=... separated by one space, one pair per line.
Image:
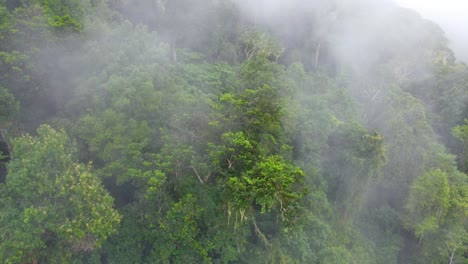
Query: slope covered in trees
x=230 y=131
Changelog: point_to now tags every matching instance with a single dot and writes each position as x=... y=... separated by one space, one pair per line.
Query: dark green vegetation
x=203 y=131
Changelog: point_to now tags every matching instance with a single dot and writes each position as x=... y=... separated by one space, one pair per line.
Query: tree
x=353 y=161
x=455 y=243
x=64 y=15
x=116 y=141
x=251 y=153
x=6 y=22
x=271 y=183
x=461 y=133
x=336 y=255
x=428 y=202
x=53 y=207
x=180 y=238
x=9 y=108
x=260 y=43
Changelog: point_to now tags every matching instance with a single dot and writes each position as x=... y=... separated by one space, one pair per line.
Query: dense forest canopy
x=230 y=131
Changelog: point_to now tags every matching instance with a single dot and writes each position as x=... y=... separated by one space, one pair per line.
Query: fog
x=241 y=131
x=451 y=15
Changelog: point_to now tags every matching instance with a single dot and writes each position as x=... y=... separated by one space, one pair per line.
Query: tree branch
x=198 y=175
x=259 y=233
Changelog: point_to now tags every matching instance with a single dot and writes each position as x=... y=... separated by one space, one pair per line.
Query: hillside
x=230 y=131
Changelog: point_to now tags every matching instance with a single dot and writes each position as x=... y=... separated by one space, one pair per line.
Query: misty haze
x=232 y=131
x=451 y=16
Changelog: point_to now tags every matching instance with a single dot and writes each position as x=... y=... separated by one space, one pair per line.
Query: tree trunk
x=9 y=148
x=451 y=257
x=174 y=54
x=317 y=53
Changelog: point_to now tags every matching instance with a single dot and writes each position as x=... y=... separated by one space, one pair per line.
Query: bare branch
x=259 y=233
x=198 y=175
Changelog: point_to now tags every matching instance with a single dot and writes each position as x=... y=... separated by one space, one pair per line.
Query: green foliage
x=227 y=137
x=428 y=202
x=461 y=133
x=336 y=255
x=272 y=182
x=181 y=239
x=116 y=141
x=354 y=160
x=15 y=66
x=9 y=107
x=53 y=206
x=260 y=43
x=6 y=22
x=64 y=15
x=456 y=243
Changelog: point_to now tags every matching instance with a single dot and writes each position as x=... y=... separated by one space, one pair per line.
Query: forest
x=230 y=131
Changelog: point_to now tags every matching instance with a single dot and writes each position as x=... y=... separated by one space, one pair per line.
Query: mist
x=207 y=131
x=451 y=16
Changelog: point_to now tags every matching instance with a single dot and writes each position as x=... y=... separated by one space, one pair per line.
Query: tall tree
x=53 y=207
